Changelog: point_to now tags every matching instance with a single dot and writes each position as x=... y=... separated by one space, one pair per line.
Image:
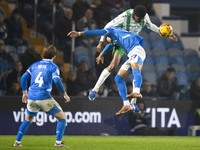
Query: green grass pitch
x=104 y=142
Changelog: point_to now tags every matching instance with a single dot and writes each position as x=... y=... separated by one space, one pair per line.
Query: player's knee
x=112 y=67
x=30 y=119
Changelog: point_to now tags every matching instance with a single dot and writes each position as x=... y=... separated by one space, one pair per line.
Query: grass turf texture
x=105 y=142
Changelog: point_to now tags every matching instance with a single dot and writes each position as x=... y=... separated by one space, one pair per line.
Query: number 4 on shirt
x=39 y=79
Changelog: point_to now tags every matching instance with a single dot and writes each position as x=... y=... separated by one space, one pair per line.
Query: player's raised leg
x=136 y=66
x=137 y=82
x=104 y=75
x=22 y=130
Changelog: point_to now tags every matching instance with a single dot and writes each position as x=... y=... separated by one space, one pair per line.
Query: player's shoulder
x=127 y=13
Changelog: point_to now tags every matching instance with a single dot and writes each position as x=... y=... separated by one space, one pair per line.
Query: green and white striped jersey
x=126 y=22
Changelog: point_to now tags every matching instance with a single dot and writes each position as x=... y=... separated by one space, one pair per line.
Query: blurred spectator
x=6 y=60
x=195 y=89
x=101 y=14
x=113 y=92
x=167 y=85
x=146 y=3
x=27 y=8
x=3 y=84
x=87 y=23
x=140 y=123
x=15 y=30
x=61 y=68
x=85 y=76
x=197 y=116
x=129 y=87
x=103 y=91
x=3 y=12
x=116 y=7
x=55 y=91
x=73 y=86
x=14 y=89
x=79 y=8
x=63 y=25
x=45 y=19
x=16 y=74
x=29 y=57
x=3 y=28
x=146 y=89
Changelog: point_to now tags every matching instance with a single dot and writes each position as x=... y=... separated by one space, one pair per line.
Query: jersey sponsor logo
x=77 y=117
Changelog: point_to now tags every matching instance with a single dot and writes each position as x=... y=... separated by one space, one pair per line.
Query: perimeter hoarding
x=95 y=118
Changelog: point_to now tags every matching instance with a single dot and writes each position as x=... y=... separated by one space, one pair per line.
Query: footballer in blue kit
x=132 y=44
x=39 y=96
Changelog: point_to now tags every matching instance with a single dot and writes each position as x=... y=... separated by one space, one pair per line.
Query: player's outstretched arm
x=100 y=58
x=75 y=34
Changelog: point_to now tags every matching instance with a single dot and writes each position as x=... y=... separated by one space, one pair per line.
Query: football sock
x=60 y=129
x=137 y=80
x=126 y=102
x=133 y=100
x=22 y=130
x=121 y=87
x=104 y=75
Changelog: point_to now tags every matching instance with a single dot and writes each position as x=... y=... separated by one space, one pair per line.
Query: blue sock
x=137 y=78
x=121 y=86
x=60 y=129
x=22 y=130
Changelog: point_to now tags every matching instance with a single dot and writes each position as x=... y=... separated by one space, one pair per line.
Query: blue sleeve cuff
x=107 y=48
x=59 y=84
x=24 y=78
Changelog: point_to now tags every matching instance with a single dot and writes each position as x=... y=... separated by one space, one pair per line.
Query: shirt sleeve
x=96 y=32
x=150 y=25
x=55 y=72
x=24 y=78
x=107 y=48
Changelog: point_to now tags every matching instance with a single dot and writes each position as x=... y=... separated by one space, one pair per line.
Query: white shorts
x=50 y=106
x=136 y=55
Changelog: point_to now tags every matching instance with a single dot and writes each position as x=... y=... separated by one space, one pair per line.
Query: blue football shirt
x=124 y=39
x=120 y=37
x=42 y=74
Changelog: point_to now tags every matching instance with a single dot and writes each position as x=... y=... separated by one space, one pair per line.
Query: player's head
x=139 y=13
x=49 y=52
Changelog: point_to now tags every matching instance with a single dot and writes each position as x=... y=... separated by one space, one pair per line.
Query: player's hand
x=73 y=34
x=173 y=37
x=25 y=97
x=100 y=58
x=66 y=97
x=100 y=47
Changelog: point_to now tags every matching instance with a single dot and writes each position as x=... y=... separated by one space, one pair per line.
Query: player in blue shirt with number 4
x=39 y=96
